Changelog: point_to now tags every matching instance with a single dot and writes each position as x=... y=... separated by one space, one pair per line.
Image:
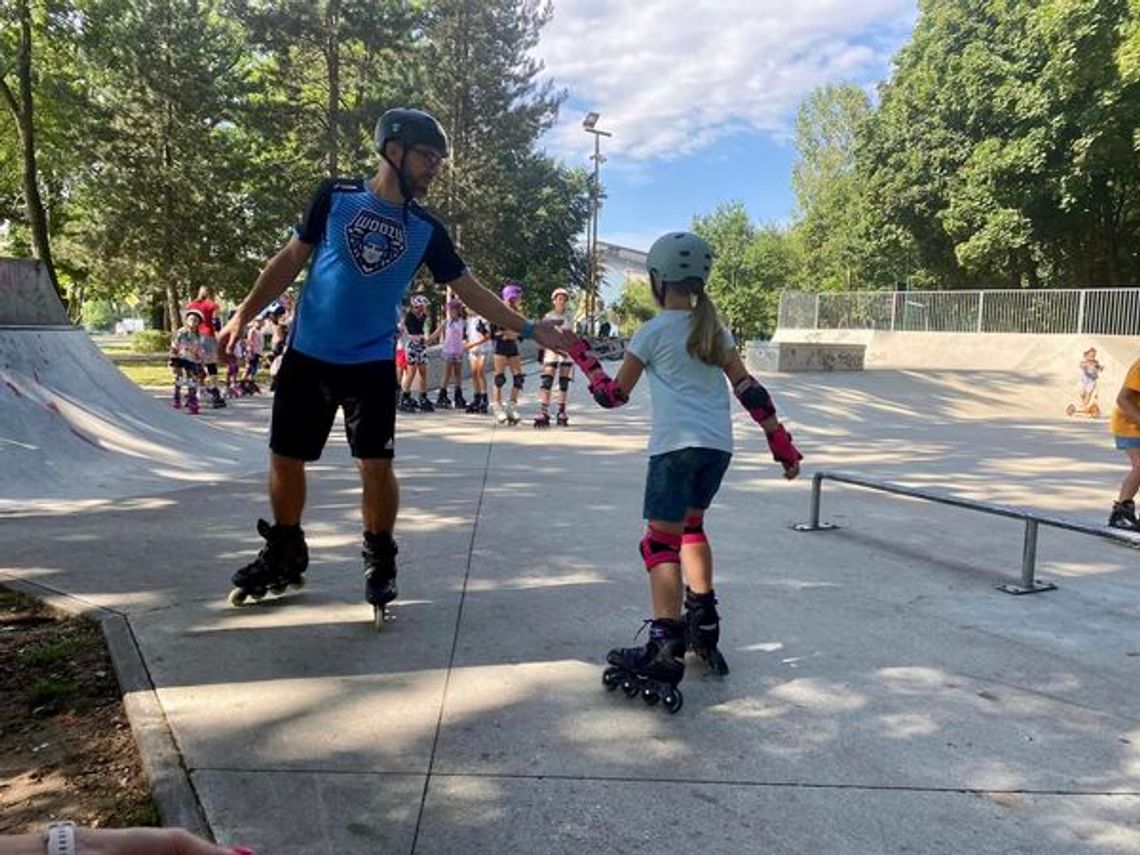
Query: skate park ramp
x=75 y=431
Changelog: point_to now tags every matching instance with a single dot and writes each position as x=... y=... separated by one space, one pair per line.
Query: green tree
x=636 y=305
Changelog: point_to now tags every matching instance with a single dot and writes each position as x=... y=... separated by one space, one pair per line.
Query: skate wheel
x=1069 y=410
x=611 y=678
x=629 y=687
x=650 y=697
x=673 y=701
x=237 y=598
x=1094 y=411
x=299 y=582
x=380 y=617
x=257 y=596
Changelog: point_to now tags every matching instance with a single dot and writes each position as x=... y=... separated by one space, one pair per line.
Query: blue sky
x=701 y=96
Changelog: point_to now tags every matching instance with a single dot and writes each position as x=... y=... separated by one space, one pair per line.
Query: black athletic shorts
x=506 y=347
x=309 y=391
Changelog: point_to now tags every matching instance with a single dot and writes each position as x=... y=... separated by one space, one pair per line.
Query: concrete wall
x=26 y=295
x=790 y=356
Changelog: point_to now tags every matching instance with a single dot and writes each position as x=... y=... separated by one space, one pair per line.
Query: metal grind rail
x=1032 y=520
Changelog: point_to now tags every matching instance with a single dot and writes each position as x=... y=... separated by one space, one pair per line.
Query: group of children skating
x=194 y=356
x=471 y=338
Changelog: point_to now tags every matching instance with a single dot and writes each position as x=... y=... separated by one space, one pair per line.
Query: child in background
x=553 y=363
x=415 y=349
x=687 y=353
x=452 y=330
x=1125 y=426
x=478 y=349
x=1090 y=373
x=186 y=357
x=506 y=356
x=254 y=345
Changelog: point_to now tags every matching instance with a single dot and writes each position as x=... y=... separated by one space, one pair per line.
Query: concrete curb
x=170 y=786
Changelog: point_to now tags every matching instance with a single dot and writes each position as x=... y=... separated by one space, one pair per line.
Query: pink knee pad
x=694 y=530
x=659 y=547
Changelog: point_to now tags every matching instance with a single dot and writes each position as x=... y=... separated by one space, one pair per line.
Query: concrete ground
x=884 y=697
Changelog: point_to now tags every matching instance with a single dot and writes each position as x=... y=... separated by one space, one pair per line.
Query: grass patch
x=54 y=651
x=50 y=691
x=149 y=373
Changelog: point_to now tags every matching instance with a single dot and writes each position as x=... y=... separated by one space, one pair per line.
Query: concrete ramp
x=75 y=430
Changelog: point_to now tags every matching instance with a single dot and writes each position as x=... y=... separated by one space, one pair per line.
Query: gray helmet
x=679 y=255
x=410 y=127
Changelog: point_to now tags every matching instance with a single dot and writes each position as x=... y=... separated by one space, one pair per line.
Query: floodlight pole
x=589 y=126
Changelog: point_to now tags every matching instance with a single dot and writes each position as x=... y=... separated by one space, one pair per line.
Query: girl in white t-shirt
x=686 y=353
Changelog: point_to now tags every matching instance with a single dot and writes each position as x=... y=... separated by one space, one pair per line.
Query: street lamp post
x=590 y=126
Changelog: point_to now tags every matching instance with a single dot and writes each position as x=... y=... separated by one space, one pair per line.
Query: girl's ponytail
x=706 y=340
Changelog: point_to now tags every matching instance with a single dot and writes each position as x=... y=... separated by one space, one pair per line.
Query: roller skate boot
x=407 y=403
x=192 y=406
x=442 y=402
x=484 y=405
x=280 y=563
x=702 y=628
x=425 y=403
x=562 y=419
x=512 y=414
x=542 y=420
x=1123 y=516
x=652 y=671
x=216 y=399
x=177 y=401
x=379 y=575
x=460 y=401
x=500 y=414
x=473 y=407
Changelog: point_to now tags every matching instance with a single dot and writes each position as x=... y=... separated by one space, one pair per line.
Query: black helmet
x=410 y=127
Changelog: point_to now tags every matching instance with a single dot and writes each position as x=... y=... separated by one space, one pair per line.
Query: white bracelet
x=61 y=838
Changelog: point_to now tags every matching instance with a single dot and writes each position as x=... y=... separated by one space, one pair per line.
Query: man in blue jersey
x=364 y=240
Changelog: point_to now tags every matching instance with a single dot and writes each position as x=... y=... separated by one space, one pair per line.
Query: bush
x=150 y=341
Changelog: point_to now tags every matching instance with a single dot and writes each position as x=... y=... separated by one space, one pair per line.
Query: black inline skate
x=459 y=400
x=407 y=403
x=563 y=420
x=652 y=671
x=280 y=563
x=1123 y=516
x=379 y=575
x=702 y=629
x=442 y=402
x=542 y=420
x=425 y=403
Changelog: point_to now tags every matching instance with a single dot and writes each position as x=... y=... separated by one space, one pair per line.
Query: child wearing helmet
x=451 y=331
x=686 y=353
x=186 y=357
x=415 y=349
x=555 y=362
x=506 y=355
x=478 y=349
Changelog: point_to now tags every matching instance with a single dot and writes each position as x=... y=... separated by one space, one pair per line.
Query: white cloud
x=671 y=77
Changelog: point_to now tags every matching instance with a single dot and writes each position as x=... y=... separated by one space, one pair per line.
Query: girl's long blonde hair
x=706 y=341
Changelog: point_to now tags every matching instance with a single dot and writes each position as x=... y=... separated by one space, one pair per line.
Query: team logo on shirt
x=375 y=241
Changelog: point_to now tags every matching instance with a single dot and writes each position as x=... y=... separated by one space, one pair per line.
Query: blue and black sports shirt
x=365 y=253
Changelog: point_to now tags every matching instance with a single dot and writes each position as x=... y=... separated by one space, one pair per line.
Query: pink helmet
x=512 y=291
x=454 y=304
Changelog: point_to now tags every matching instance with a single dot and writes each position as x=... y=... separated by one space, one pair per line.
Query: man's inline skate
x=1123 y=516
x=702 y=627
x=280 y=563
x=652 y=671
x=379 y=575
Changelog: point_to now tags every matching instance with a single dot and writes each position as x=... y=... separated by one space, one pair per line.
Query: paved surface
x=883 y=696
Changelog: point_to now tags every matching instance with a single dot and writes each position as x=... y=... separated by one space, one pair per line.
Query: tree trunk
x=24 y=115
x=332 y=58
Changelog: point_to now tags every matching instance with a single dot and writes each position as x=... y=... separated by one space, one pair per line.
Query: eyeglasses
x=432 y=158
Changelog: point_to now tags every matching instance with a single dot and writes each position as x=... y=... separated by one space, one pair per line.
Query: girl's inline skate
x=702 y=628
x=652 y=671
x=280 y=563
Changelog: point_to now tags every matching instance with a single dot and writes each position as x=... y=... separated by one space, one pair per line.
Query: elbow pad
x=755 y=398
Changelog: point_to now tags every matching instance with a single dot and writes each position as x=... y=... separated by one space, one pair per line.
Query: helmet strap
x=405 y=188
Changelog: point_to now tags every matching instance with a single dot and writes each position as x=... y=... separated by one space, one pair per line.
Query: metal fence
x=1099 y=311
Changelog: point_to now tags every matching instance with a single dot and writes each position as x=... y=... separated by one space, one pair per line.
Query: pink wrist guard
x=783 y=449
x=605 y=391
